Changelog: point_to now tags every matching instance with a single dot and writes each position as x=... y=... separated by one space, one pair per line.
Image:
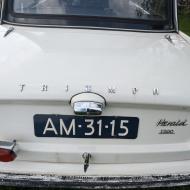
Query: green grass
x=184 y=23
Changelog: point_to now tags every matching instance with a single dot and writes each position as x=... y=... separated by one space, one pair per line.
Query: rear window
x=133 y=9
x=107 y=14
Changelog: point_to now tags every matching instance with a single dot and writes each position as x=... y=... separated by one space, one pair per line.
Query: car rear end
x=92 y=108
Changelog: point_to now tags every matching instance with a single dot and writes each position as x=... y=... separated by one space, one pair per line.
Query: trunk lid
x=42 y=68
x=99 y=59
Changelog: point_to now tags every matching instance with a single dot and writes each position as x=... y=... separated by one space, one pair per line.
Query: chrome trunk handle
x=88 y=104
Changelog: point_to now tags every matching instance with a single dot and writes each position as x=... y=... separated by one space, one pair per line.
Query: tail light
x=7 y=153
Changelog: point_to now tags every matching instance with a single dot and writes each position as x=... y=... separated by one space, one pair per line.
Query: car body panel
x=104 y=53
x=97 y=54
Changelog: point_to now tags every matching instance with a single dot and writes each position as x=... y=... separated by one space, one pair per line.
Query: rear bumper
x=92 y=182
x=98 y=176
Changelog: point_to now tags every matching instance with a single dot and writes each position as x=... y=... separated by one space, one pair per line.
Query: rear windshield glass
x=130 y=9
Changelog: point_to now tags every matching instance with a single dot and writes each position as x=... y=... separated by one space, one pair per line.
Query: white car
x=93 y=94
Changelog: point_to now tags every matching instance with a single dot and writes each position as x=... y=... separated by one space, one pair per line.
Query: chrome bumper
x=92 y=182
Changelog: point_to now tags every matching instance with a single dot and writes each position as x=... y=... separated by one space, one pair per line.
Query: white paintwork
x=144 y=169
x=37 y=54
x=185 y=36
x=64 y=62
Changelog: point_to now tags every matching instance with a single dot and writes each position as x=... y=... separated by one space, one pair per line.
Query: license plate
x=67 y=126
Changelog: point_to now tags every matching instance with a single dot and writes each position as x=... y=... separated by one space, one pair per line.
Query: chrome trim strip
x=10 y=29
x=90 y=28
x=2 y=10
x=176 y=16
x=8 y=145
x=169 y=38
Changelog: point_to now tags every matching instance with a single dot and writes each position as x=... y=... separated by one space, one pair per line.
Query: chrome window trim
x=176 y=23
x=89 y=27
x=2 y=2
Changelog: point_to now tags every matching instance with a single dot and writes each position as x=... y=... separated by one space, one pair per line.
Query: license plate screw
x=86 y=157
